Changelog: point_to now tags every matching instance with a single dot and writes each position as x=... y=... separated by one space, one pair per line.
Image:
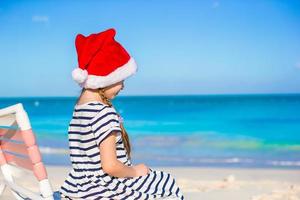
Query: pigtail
x=125 y=136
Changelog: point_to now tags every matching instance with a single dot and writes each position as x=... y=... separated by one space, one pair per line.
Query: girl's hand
x=140 y=169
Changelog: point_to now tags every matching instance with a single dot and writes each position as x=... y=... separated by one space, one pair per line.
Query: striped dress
x=91 y=123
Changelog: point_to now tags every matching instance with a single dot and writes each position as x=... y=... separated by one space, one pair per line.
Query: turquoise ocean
x=260 y=130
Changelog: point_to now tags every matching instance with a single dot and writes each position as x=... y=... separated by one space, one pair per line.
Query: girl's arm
x=110 y=163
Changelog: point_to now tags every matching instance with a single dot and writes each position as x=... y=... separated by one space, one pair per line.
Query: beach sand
x=207 y=183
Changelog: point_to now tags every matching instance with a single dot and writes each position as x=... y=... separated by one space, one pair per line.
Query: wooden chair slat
x=18 y=161
x=8 y=120
x=14 y=147
x=10 y=134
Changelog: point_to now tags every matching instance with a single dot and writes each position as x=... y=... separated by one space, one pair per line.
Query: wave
x=50 y=150
x=237 y=161
x=193 y=161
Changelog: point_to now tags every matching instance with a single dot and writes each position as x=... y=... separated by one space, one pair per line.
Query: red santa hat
x=102 y=60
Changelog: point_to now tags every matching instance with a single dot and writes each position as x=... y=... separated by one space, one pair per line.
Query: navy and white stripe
x=90 y=125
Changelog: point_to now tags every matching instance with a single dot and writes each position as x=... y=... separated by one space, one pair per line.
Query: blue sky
x=181 y=47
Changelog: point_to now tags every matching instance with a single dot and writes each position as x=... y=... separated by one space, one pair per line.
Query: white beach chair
x=18 y=149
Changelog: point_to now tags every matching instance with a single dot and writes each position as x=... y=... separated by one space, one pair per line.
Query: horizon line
x=164 y=95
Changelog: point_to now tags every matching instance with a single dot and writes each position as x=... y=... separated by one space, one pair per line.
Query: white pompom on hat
x=79 y=75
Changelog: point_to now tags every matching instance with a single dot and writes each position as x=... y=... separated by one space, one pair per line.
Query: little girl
x=99 y=145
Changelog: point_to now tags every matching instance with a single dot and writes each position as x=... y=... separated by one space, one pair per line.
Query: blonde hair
x=125 y=136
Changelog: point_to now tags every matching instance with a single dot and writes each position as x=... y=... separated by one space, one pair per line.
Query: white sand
x=209 y=183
